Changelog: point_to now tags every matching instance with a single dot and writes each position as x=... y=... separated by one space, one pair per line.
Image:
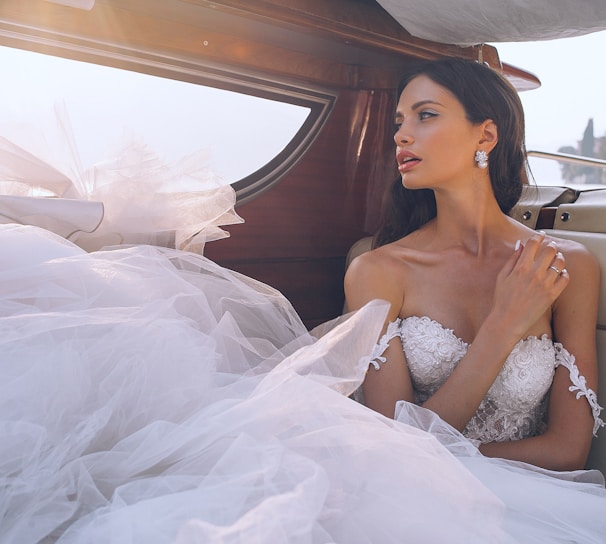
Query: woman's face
x=435 y=142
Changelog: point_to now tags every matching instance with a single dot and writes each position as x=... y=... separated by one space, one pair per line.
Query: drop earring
x=482 y=158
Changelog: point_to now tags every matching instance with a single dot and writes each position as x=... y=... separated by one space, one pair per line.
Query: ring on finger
x=556 y=270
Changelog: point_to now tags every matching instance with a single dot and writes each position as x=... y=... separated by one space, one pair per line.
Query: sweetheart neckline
x=544 y=337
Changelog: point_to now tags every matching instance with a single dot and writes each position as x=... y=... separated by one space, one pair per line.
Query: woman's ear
x=489 y=135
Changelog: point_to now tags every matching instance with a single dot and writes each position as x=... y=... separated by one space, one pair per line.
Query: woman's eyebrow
x=399 y=115
x=422 y=103
x=418 y=105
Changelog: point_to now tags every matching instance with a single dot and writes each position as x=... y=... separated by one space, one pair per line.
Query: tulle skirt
x=150 y=395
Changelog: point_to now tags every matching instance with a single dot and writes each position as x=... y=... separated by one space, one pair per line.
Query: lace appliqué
x=515 y=406
x=376 y=357
x=579 y=385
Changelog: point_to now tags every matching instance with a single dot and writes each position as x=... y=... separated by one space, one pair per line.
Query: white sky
x=104 y=105
x=573 y=76
x=108 y=108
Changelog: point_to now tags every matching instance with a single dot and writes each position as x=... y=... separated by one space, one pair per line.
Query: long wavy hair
x=484 y=94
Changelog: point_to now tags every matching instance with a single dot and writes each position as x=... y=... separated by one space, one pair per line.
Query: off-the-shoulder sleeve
x=579 y=385
x=393 y=329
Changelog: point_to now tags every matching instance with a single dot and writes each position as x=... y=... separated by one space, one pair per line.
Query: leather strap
x=534 y=198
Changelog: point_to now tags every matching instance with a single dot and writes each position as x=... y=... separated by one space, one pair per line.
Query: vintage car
x=339 y=61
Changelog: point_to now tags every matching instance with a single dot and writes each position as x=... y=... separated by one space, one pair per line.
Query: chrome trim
x=565 y=157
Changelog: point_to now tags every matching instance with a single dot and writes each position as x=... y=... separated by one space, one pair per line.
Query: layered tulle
x=149 y=395
x=132 y=198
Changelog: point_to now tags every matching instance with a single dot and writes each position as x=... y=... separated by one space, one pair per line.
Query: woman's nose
x=402 y=136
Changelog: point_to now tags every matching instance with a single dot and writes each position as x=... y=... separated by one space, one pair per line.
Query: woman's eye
x=426 y=115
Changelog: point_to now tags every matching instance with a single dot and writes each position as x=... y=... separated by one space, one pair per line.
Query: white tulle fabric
x=133 y=198
x=515 y=406
x=149 y=395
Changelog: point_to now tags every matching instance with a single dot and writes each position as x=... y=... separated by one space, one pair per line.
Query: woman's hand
x=528 y=284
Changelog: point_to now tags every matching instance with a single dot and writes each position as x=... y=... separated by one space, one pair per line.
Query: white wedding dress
x=149 y=395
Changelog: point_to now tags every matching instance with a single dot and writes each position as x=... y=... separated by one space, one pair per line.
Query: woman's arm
x=567 y=439
x=373 y=276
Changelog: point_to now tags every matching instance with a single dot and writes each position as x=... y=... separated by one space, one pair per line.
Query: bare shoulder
x=375 y=260
x=376 y=274
x=583 y=288
x=578 y=257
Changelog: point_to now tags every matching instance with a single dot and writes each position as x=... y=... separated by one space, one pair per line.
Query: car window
x=106 y=108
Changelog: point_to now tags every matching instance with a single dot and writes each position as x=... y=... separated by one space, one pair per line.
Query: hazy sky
x=108 y=108
x=573 y=90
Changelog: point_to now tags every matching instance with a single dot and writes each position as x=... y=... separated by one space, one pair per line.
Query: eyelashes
x=427 y=114
x=423 y=115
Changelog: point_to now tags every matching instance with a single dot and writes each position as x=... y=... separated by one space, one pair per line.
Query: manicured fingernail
x=518 y=244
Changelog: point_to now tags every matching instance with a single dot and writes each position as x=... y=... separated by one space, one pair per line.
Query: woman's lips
x=407 y=161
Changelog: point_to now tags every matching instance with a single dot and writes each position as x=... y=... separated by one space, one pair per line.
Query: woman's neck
x=472 y=221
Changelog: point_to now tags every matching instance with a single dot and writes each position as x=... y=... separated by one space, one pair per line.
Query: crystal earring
x=482 y=158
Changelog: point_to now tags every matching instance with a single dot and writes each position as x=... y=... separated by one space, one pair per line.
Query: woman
x=477 y=300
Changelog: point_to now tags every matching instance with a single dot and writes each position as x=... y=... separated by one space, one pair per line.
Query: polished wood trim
x=362 y=23
x=520 y=79
x=296 y=236
x=338 y=43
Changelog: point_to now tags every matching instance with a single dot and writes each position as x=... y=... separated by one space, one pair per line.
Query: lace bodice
x=515 y=406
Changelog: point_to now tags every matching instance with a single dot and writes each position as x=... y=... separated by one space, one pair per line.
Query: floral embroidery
x=393 y=330
x=515 y=406
x=579 y=384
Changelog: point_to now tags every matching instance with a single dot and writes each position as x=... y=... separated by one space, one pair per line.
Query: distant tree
x=569 y=170
x=588 y=146
x=588 y=141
